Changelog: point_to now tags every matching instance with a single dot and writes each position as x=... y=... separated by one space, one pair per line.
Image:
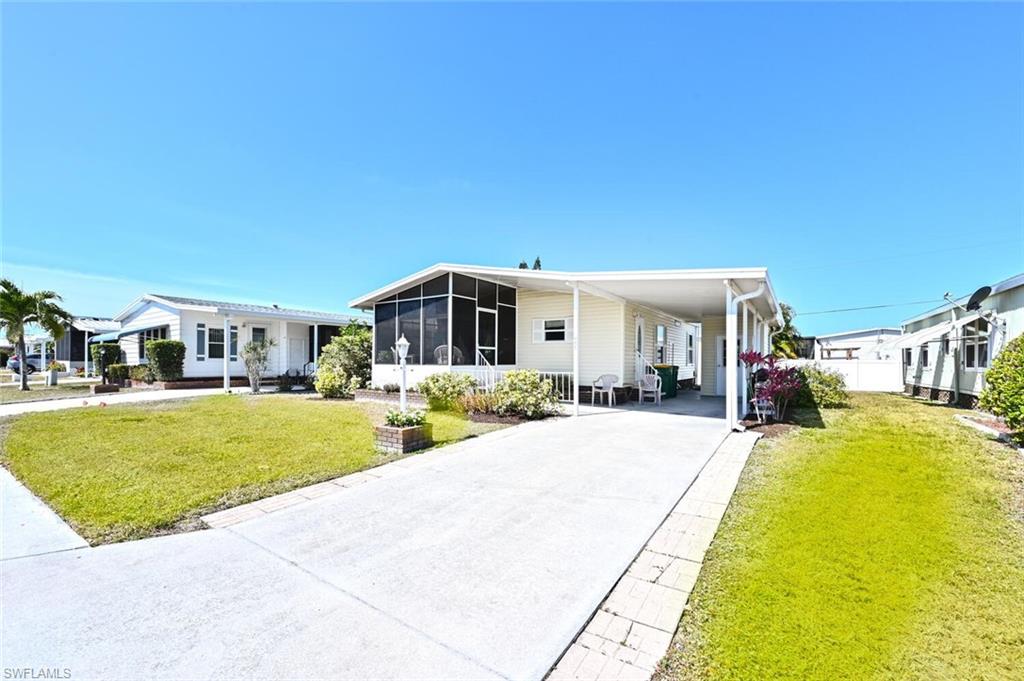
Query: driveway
x=478 y=560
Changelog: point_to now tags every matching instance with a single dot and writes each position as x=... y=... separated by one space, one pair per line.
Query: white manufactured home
x=852 y=345
x=215 y=331
x=574 y=326
x=944 y=353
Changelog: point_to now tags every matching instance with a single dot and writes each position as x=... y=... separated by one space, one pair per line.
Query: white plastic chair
x=604 y=385
x=650 y=384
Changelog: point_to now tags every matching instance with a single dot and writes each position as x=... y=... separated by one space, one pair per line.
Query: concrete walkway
x=479 y=560
x=15 y=408
x=27 y=526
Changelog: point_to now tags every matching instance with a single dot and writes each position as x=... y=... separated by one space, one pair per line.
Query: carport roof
x=687 y=294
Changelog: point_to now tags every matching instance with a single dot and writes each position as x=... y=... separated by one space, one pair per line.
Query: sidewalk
x=27 y=526
x=15 y=408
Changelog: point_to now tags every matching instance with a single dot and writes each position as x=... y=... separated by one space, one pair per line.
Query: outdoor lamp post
x=402 y=346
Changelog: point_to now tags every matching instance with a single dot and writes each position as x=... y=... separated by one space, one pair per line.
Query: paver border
x=632 y=628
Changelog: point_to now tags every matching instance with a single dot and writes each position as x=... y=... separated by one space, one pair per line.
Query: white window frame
x=159 y=333
x=689 y=349
x=223 y=343
x=973 y=338
x=660 y=344
x=252 y=332
x=924 y=355
x=540 y=331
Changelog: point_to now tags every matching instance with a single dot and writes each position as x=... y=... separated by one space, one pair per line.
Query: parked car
x=33 y=363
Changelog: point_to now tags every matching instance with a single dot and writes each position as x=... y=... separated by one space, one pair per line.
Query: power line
x=867 y=307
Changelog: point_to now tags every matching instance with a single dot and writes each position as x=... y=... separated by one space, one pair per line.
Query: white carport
x=743 y=296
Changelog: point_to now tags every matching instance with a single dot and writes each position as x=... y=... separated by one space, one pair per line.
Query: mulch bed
x=991 y=422
x=494 y=418
x=769 y=430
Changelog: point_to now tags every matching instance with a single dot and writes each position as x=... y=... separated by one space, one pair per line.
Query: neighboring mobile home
x=574 y=326
x=72 y=348
x=852 y=344
x=214 y=332
x=945 y=352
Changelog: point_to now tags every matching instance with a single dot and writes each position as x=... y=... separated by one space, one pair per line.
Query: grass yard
x=130 y=471
x=39 y=391
x=888 y=544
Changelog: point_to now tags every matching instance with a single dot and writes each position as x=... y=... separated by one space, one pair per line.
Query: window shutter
x=201 y=342
x=568 y=329
x=538 y=330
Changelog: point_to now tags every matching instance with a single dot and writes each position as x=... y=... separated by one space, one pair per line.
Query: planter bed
x=402 y=440
x=188 y=384
x=414 y=400
x=477 y=417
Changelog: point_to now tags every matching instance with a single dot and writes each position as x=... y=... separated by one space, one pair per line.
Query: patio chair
x=650 y=384
x=604 y=385
x=763 y=409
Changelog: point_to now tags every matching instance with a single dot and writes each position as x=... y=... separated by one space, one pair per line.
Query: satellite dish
x=981 y=294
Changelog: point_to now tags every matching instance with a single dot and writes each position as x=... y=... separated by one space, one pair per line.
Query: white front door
x=720 y=365
x=297 y=354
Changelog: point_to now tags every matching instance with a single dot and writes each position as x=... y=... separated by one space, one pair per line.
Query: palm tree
x=18 y=309
x=784 y=340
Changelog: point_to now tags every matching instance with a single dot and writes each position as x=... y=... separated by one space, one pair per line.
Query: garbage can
x=669 y=379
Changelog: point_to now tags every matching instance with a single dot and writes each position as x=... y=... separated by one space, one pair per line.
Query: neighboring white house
x=574 y=326
x=851 y=344
x=214 y=332
x=72 y=349
x=945 y=352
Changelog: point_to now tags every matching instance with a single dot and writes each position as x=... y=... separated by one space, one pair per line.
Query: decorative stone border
x=632 y=629
x=402 y=440
x=413 y=399
x=102 y=389
x=991 y=432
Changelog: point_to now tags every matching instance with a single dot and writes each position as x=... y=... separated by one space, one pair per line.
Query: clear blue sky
x=304 y=154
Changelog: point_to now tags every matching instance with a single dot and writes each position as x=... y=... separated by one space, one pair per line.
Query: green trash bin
x=669 y=379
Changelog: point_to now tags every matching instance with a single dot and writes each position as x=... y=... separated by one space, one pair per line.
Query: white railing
x=643 y=366
x=562 y=382
x=485 y=374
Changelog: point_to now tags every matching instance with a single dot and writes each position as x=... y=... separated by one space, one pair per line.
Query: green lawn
x=888 y=544
x=129 y=471
x=39 y=391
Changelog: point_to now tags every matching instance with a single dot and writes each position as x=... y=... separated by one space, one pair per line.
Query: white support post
x=316 y=346
x=730 y=358
x=576 y=349
x=766 y=335
x=85 y=362
x=227 y=354
x=744 y=369
x=42 y=356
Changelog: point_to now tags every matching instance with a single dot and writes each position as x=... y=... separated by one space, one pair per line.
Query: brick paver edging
x=631 y=630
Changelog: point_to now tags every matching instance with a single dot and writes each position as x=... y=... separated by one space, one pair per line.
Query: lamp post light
x=402 y=347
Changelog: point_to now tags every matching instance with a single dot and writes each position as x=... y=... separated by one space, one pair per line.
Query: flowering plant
x=752 y=358
x=780 y=386
x=400 y=419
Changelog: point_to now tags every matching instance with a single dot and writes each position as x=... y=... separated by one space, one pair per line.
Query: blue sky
x=304 y=154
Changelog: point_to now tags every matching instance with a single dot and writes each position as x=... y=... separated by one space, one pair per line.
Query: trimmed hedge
x=822 y=388
x=166 y=359
x=118 y=373
x=105 y=354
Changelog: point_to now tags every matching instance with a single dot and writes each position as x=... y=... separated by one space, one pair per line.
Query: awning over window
x=929 y=335
x=114 y=335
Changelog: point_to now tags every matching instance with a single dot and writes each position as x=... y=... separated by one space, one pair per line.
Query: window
x=552 y=330
x=215 y=343
x=659 y=344
x=385 y=324
x=689 y=348
x=409 y=326
x=234 y=343
x=924 y=355
x=259 y=334
x=148 y=335
x=200 y=342
x=975 y=337
x=907 y=357
x=435 y=330
x=945 y=344
x=463 y=331
x=506 y=334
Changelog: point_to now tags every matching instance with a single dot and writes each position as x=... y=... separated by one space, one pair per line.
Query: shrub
x=781 y=385
x=256 y=355
x=118 y=372
x=334 y=383
x=105 y=354
x=140 y=372
x=443 y=390
x=391 y=388
x=166 y=359
x=349 y=352
x=54 y=365
x=1004 y=385
x=822 y=388
x=399 y=419
x=478 y=403
x=524 y=393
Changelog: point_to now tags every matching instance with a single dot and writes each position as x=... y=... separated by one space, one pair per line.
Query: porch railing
x=562 y=383
x=643 y=366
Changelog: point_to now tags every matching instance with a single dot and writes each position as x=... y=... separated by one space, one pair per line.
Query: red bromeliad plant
x=779 y=387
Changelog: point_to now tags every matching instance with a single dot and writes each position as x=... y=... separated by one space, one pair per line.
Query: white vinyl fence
x=862 y=375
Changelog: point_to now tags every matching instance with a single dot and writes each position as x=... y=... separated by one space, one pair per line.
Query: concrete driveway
x=478 y=560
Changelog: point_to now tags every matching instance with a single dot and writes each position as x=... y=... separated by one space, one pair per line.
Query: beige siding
x=711 y=328
x=600 y=334
x=675 y=340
